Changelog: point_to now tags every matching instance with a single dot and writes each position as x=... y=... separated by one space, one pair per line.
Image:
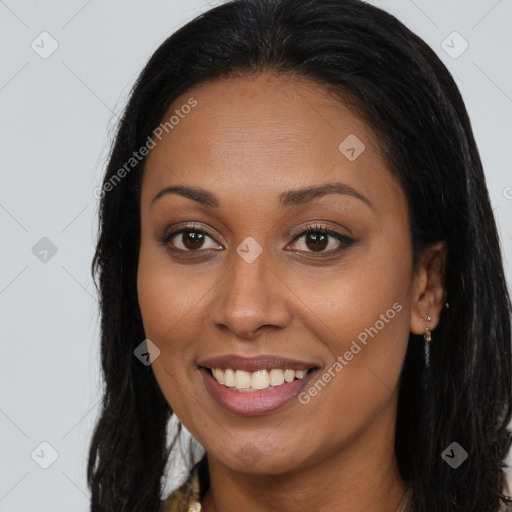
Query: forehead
x=263 y=134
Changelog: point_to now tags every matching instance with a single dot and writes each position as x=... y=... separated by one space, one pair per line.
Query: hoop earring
x=428 y=338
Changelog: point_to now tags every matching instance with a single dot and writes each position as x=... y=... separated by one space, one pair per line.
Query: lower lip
x=254 y=402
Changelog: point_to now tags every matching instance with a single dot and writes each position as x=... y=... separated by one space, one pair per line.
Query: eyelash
x=344 y=240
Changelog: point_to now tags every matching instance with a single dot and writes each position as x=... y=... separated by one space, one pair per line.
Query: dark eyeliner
x=345 y=240
x=166 y=238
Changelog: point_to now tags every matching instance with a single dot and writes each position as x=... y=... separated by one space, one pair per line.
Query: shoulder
x=506 y=507
x=506 y=499
x=185 y=498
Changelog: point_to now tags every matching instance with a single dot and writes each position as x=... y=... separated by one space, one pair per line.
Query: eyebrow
x=286 y=199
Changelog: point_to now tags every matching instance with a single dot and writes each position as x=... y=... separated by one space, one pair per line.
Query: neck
x=362 y=477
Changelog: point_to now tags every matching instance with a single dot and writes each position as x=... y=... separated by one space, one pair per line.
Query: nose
x=251 y=298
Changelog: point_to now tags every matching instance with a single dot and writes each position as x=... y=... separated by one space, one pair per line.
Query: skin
x=248 y=140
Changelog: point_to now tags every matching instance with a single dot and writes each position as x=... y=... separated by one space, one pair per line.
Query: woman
x=296 y=233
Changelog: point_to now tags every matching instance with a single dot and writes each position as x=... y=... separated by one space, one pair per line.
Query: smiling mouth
x=259 y=380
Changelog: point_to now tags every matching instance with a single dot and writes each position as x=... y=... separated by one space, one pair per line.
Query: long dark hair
x=396 y=83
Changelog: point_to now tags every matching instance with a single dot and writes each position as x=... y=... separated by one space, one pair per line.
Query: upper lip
x=254 y=363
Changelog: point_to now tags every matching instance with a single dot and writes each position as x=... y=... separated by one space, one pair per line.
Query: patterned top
x=186 y=499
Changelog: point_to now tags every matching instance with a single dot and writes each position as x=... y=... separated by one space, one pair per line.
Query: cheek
x=163 y=316
x=167 y=309
x=359 y=294
x=365 y=315
x=167 y=295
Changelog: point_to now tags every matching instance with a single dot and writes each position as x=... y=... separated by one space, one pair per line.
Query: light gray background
x=57 y=117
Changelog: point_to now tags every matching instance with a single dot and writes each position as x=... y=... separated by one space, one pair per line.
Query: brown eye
x=188 y=239
x=317 y=241
x=192 y=239
x=318 y=238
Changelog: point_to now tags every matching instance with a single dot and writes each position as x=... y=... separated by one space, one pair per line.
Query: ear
x=428 y=293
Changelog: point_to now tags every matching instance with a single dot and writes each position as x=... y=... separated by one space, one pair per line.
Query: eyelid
x=317 y=225
x=344 y=241
x=295 y=234
x=181 y=228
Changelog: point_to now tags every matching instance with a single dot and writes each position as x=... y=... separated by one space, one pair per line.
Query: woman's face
x=245 y=284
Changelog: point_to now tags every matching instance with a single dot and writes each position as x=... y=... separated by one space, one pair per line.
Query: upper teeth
x=260 y=379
